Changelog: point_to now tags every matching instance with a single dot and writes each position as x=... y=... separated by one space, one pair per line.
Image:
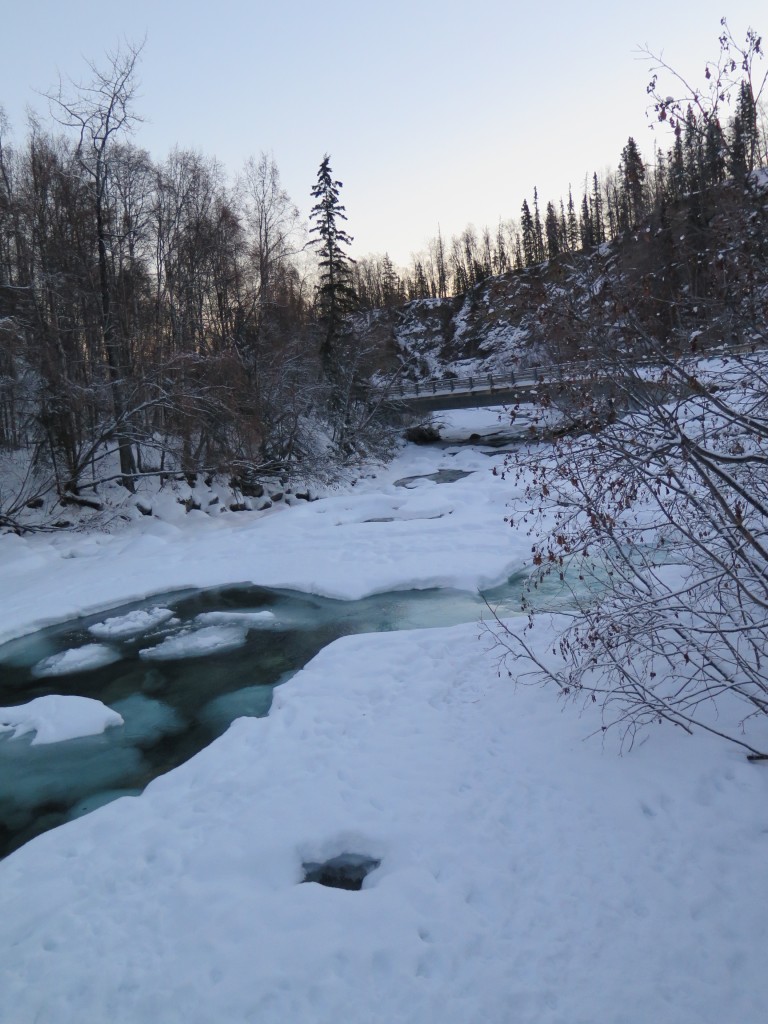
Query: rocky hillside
x=695 y=274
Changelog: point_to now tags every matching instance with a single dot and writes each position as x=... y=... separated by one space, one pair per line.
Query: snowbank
x=525 y=875
x=375 y=538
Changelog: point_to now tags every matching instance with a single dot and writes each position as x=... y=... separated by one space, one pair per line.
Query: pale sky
x=433 y=112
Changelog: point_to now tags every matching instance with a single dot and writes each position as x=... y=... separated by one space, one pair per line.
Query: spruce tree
x=744 y=134
x=597 y=211
x=714 y=152
x=529 y=235
x=552 y=229
x=586 y=229
x=574 y=239
x=676 y=177
x=633 y=185
x=538 y=230
x=335 y=294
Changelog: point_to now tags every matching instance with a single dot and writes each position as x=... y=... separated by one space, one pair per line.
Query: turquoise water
x=193 y=663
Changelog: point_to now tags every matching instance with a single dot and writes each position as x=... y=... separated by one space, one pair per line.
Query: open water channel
x=179 y=668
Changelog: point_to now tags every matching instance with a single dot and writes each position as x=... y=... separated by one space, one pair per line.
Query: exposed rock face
x=502 y=322
x=687 y=276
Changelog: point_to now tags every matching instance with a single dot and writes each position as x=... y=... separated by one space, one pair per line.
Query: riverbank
x=527 y=872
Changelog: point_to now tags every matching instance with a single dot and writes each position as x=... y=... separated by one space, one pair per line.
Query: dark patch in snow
x=347 y=871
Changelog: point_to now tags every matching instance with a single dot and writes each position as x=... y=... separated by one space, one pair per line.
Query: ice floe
x=138 y=621
x=77 y=659
x=58 y=717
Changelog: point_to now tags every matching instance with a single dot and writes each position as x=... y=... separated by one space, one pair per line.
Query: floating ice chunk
x=55 y=718
x=197 y=643
x=253 y=620
x=138 y=621
x=77 y=659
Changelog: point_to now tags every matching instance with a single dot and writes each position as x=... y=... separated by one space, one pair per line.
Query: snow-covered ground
x=528 y=873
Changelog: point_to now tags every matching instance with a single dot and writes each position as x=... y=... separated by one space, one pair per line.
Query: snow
x=328 y=547
x=138 y=621
x=252 y=620
x=78 y=659
x=56 y=718
x=527 y=873
x=196 y=643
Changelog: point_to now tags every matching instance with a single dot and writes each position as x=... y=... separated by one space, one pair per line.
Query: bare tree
x=273 y=222
x=654 y=522
x=734 y=78
x=101 y=111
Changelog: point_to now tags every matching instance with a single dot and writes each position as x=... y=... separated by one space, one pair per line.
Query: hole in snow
x=346 y=871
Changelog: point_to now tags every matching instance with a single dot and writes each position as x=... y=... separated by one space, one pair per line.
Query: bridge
x=485 y=389
x=556 y=383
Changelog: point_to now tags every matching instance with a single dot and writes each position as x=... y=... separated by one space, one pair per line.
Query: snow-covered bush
x=657 y=522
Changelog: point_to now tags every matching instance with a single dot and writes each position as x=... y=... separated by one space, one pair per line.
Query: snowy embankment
x=527 y=873
x=374 y=538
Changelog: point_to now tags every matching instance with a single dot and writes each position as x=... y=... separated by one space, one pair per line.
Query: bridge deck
x=474 y=390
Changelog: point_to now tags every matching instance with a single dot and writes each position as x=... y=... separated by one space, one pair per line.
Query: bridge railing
x=571 y=371
x=448 y=385
x=483 y=382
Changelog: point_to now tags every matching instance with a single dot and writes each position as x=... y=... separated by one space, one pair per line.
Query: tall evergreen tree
x=597 y=211
x=562 y=228
x=676 y=177
x=633 y=184
x=714 y=152
x=538 y=231
x=573 y=224
x=501 y=256
x=440 y=265
x=528 y=235
x=335 y=294
x=551 y=227
x=519 y=261
x=744 y=134
x=586 y=229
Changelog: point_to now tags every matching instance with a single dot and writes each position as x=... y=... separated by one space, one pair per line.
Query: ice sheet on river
x=78 y=659
x=251 y=620
x=138 y=621
x=197 y=643
x=58 y=717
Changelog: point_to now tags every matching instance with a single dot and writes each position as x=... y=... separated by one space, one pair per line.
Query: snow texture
x=527 y=873
x=79 y=659
x=138 y=621
x=196 y=643
x=56 y=718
